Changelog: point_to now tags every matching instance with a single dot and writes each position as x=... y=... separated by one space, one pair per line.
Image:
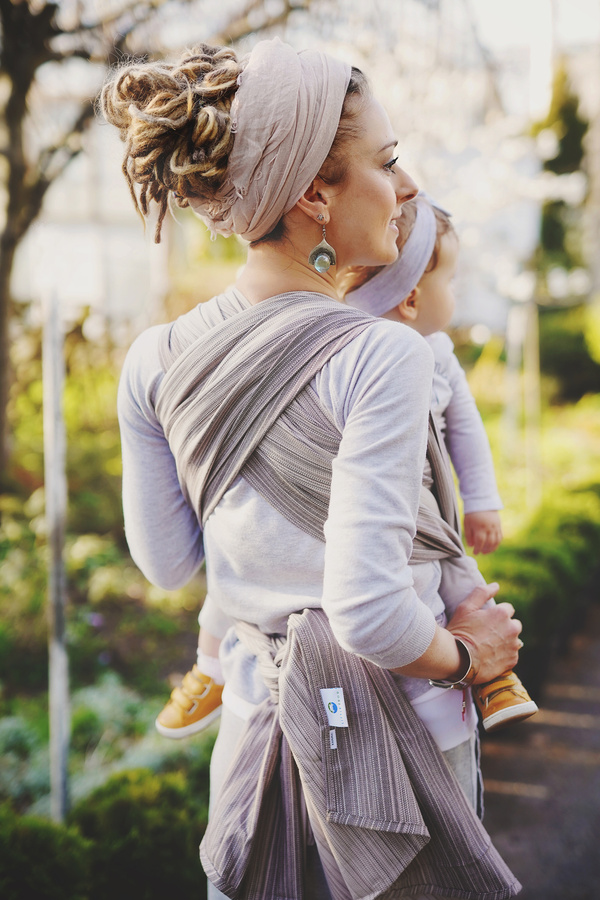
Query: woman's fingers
x=478 y=598
x=492 y=631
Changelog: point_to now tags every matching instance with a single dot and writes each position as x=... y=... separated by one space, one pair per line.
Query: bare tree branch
x=31 y=36
x=244 y=25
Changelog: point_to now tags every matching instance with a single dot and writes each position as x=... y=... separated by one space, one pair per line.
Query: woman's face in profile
x=362 y=227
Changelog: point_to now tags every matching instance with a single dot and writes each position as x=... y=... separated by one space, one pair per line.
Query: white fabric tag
x=332 y=740
x=333 y=701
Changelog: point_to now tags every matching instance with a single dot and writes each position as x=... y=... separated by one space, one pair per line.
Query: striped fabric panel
x=237 y=399
x=388 y=815
x=227 y=388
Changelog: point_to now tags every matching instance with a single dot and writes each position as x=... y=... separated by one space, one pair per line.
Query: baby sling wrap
x=237 y=400
x=244 y=405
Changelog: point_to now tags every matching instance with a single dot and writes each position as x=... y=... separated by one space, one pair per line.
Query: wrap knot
x=268 y=649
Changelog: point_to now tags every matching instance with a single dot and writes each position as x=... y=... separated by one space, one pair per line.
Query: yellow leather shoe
x=503 y=701
x=192 y=706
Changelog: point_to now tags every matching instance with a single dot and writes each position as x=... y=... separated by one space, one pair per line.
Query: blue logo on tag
x=333 y=702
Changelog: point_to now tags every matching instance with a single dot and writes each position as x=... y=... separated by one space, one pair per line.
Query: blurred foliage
x=112 y=730
x=549 y=572
x=116 y=618
x=560 y=232
x=39 y=859
x=89 y=406
x=135 y=836
x=566 y=337
x=569 y=357
x=199 y=266
x=592 y=329
x=143 y=831
x=565 y=121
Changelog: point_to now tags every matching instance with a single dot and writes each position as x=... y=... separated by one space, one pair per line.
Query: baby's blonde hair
x=174 y=119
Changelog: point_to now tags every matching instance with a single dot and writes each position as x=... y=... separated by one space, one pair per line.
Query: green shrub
x=40 y=860
x=144 y=831
x=86 y=729
x=17 y=737
x=565 y=355
x=547 y=572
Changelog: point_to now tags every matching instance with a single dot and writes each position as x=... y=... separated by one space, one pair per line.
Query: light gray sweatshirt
x=260 y=567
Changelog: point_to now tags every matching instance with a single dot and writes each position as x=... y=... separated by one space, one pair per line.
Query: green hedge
x=548 y=573
x=143 y=831
x=41 y=860
x=135 y=837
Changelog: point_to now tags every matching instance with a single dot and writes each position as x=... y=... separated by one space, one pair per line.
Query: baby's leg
x=460 y=576
x=503 y=700
x=196 y=702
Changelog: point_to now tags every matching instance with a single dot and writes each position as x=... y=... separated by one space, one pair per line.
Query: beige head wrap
x=285 y=116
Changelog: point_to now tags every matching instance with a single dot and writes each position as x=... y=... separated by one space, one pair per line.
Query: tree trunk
x=15 y=206
x=7 y=255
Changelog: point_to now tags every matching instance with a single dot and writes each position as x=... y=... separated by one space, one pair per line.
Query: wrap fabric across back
x=238 y=400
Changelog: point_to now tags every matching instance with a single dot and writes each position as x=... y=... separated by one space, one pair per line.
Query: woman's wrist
x=468 y=668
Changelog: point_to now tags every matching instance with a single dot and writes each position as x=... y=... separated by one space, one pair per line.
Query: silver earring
x=323 y=255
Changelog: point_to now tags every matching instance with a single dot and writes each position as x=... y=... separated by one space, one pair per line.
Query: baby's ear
x=407 y=310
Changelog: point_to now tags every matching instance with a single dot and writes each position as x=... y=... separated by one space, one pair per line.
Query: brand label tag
x=333 y=701
x=332 y=739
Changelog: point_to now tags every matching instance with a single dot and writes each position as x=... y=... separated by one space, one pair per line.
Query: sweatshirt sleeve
x=162 y=531
x=368 y=591
x=468 y=443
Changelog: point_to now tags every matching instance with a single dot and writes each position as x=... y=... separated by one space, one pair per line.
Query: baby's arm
x=470 y=452
x=483 y=530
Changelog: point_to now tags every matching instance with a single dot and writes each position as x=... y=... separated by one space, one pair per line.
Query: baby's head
x=417 y=288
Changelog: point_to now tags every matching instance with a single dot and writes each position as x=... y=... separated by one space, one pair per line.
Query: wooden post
x=56 y=511
x=515 y=329
x=532 y=406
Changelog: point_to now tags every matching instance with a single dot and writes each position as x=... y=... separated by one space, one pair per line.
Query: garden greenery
x=140 y=801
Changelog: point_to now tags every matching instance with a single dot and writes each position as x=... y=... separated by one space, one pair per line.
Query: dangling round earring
x=322 y=257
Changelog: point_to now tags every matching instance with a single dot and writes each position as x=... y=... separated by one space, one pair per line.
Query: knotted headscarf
x=395 y=282
x=285 y=116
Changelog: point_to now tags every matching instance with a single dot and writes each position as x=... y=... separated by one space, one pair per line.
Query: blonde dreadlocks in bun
x=174 y=119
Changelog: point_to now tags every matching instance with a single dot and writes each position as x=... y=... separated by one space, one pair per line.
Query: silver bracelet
x=466 y=680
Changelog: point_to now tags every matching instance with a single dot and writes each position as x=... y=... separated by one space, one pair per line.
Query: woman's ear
x=314 y=201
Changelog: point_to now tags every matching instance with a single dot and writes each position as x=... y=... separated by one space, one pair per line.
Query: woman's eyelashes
x=390 y=165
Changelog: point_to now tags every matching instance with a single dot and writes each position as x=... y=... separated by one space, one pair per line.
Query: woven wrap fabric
x=285 y=115
x=237 y=400
x=387 y=813
x=226 y=390
x=394 y=283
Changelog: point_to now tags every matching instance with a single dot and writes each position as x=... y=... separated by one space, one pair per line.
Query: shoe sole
x=187 y=730
x=512 y=714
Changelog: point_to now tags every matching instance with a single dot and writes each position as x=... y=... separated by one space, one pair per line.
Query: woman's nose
x=405 y=187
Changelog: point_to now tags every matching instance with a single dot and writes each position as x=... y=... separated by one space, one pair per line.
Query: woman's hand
x=492 y=634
